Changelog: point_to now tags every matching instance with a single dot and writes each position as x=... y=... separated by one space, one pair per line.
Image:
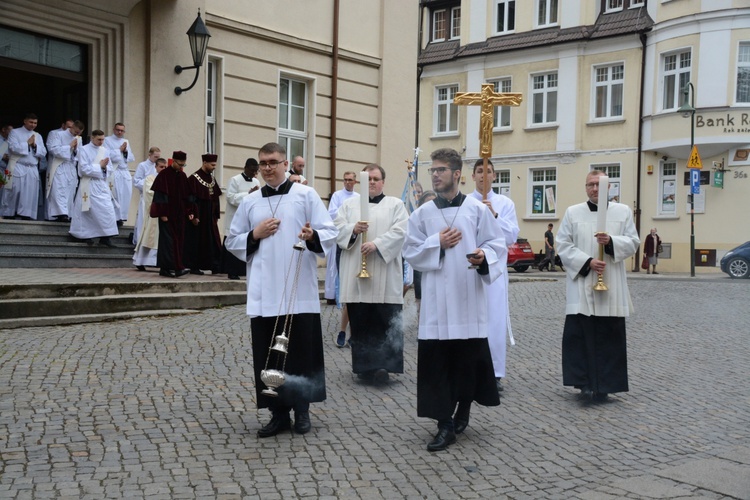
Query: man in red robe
x=202 y=240
x=170 y=206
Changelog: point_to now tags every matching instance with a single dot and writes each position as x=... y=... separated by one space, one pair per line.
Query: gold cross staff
x=488 y=99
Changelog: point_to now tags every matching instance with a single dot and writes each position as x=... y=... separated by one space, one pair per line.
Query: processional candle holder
x=363 y=271
x=599 y=286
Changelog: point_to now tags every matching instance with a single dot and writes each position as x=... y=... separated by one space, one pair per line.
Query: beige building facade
x=333 y=81
x=602 y=82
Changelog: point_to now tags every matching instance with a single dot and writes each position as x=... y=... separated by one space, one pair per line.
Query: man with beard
x=282 y=287
x=374 y=304
x=594 y=351
x=454 y=359
x=202 y=241
x=504 y=212
x=170 y=206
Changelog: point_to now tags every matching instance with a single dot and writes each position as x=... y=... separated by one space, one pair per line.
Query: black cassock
x=202 y=242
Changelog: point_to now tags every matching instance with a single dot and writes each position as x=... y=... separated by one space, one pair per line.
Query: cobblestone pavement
x=164 y=408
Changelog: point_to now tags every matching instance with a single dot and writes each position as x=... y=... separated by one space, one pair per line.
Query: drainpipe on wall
x=334 y=94
x=637 y=212
x=420 y=69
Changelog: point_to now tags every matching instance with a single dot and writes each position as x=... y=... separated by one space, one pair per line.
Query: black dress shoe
x=141 y=268
x=106 y=242
x=586 y=393
x=277 y=424
x=380 y=376
x=168 y=274
x=461 y=419
x=599 y=397
x=182 y=272
x=197 y=272
x=302 y=423
x=233 y=277
x=443 y=439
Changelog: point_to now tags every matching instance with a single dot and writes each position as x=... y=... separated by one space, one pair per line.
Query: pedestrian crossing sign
x=695 y=159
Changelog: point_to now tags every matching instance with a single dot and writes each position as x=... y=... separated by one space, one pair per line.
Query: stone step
x=63 y=260
x=108 y=304
x=150 y=285
x=88 y=318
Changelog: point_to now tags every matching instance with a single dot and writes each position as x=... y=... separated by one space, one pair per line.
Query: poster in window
x=667 y=196
x=614 y=192
x=538 y=199
x=550 y=192
x=739 y=157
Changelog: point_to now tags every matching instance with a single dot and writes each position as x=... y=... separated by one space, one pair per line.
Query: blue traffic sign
x=695 y=181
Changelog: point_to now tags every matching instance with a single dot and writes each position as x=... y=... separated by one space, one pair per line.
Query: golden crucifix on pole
x=488 y=99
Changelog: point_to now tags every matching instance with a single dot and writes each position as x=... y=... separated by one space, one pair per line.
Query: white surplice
x=453 y=296
x=387 y=222
x=93 y=213
x=21 y=193
x=576 y=244
x=238 y=188
x=123 y=182
x=147 y=246
x=337 y=199
x=497 y=292
x=62 y=177
x=268 y=294
x=143 y=170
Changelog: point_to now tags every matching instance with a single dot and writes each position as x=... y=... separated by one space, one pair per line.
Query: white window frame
x=609 y=84
x=613 y=5
x=451 y=110
x=211 y=103
x=502 y=113
x=541 y=180
x=455 y=23
x=287 y=135
x=667 y=188
x=546 y=90
x=613 y=171
x=676 y=66
x=504 y=7
x=502 y=182
x=551 y=14
x=446 y=25
x=743 y=65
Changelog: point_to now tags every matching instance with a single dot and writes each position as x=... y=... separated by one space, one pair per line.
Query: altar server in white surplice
x=123 y=181
x=147 y=247
x=374 y=304
x=143 y=170
x=93 y=214
x=337 y=199
x=498 y=306
x=264 y=230
x=62 y=178
x=594 y=354
x=454 y=361
x=240 y=186
x=21 y=191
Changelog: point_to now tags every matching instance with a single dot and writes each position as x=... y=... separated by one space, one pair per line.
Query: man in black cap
x=170 y=206
x=202 y=241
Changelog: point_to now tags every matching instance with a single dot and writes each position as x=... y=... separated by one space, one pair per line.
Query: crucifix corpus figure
x=487 y=99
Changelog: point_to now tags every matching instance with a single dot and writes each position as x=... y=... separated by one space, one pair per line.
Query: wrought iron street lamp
x=688 y=111
x=198 y=36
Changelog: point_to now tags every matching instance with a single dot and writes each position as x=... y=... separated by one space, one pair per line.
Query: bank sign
x=726 y=123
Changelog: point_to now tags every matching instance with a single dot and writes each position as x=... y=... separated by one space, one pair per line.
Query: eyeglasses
x=350 y=180
x=269 y=164
x=437 y=170
x=592 y=185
